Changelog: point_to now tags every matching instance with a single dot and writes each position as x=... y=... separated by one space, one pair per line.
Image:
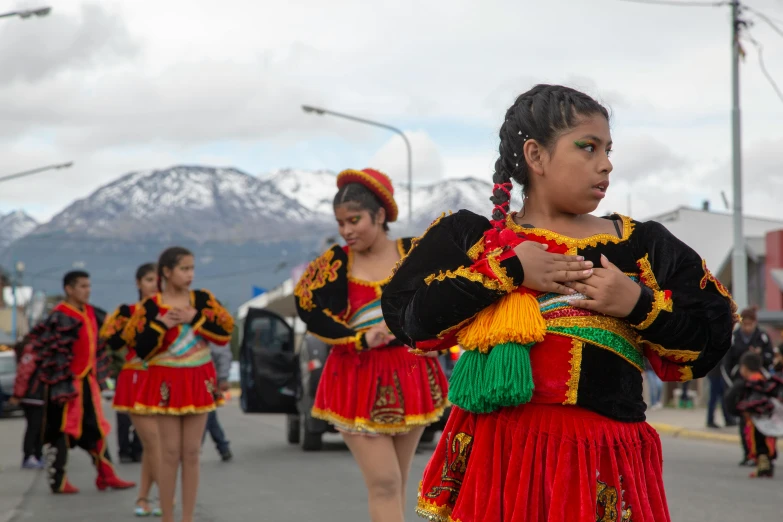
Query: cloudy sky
x=122 y=85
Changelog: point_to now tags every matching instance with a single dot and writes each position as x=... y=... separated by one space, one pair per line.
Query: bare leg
x=405 y=447
x=170 y=431
x=378 y=461
x=192 y=430
x=146 y=427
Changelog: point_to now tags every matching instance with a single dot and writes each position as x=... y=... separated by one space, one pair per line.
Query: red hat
x=378 y=183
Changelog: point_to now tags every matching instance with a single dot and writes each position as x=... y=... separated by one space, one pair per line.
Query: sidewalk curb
x=680 y=432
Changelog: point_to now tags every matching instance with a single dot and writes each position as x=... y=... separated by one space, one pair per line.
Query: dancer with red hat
x=375 y=392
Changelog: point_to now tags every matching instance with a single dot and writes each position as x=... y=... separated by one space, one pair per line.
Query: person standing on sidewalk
x=221 y=357
x=29 y=393
x=718 y=386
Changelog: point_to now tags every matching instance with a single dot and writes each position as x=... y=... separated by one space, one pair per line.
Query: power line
x=766 y=18
x=764 y=70
x=679 y=4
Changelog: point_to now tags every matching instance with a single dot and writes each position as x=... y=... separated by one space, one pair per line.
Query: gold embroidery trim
x=468 y=274
x=475 y=251
x=328 y=313
x=646 y=273
x=575 y=372
x=506 y=283
x=571 y=242
x=678 y=355
x=317 y=274
x=341 y=340
x=660 y=303
x=358 y=343
x=686 y=374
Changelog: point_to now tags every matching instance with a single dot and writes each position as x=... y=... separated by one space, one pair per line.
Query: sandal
x=140 y=511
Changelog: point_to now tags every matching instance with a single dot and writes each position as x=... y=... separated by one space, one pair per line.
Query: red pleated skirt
x=179 y=390
x=130 y=382
x=544 y=463
x=380 y=391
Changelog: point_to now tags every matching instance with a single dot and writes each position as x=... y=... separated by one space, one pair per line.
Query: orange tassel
x=515 y=318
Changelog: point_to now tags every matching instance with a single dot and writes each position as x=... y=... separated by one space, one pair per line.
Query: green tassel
x=467 y=388
x=508 y=375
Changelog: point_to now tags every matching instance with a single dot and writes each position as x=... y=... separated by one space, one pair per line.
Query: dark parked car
x=7 y=378
x=276 y=378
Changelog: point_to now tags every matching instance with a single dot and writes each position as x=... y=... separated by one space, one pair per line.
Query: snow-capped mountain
x=315 y=191
x=15 y=225
x=195 y=202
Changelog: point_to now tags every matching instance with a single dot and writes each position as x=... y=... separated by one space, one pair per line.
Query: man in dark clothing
x=719 y=381
x=748 y=337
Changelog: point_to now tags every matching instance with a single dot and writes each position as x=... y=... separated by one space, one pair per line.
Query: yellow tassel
x=516 y=318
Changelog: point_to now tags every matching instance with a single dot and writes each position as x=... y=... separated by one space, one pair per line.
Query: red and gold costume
x=383 y=390
x=548 y=423
x=133 y=375
x=181 y=378
x=72 y=368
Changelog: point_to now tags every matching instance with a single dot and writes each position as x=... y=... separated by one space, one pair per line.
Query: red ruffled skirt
x=380 y=391
x=179 y=390
x=130 y=382
x=544 y=463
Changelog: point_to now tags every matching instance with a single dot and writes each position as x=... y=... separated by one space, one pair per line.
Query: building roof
x=710 y=233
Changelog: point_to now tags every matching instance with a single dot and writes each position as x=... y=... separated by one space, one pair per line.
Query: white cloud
x=118 y=85
x=427 y=163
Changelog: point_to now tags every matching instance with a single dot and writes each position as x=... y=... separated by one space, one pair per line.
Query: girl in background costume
x=372 y=389
x=557 y=309
x=171 y=332
x=131 y=379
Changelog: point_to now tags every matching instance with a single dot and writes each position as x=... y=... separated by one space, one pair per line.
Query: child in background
x=749 y=397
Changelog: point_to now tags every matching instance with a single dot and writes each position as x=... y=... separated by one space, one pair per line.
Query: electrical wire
x=764 y=70
x=766 y=18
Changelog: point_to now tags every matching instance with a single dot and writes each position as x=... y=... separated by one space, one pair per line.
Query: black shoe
x=136 y=457
x=713 y=426
x=748 y=462
x=226 y=456
x=732 y=424
x=125 y=459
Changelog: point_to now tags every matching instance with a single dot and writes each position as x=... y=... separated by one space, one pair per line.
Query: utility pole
x=739 y=265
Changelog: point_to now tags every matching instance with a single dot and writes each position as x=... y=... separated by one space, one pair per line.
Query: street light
x=36 y=171
x=27 y=13
x=320 y=112
x=19 y=270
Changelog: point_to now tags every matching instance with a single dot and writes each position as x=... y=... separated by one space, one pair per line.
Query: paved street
x=272 y=481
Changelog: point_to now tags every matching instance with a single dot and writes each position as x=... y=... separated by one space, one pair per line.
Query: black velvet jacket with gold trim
x=682 y=322
x=321 y=296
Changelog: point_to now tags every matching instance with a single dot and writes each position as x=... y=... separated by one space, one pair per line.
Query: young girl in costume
x=372 y=389
x=130 y=381
x=171 y=332
x=556 y=309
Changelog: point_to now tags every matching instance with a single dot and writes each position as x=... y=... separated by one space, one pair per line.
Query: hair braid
x=543 y=113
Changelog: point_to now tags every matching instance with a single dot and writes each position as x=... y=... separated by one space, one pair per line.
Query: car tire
x=294 y=429
x=312 y=441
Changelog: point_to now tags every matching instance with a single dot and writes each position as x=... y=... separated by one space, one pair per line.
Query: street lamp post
x=36 y=171
x=27 y=13
x=18 y=271
x=315 y=110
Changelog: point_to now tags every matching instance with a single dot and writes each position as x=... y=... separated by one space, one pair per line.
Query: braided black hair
x=361 y=198
x=543 y=113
